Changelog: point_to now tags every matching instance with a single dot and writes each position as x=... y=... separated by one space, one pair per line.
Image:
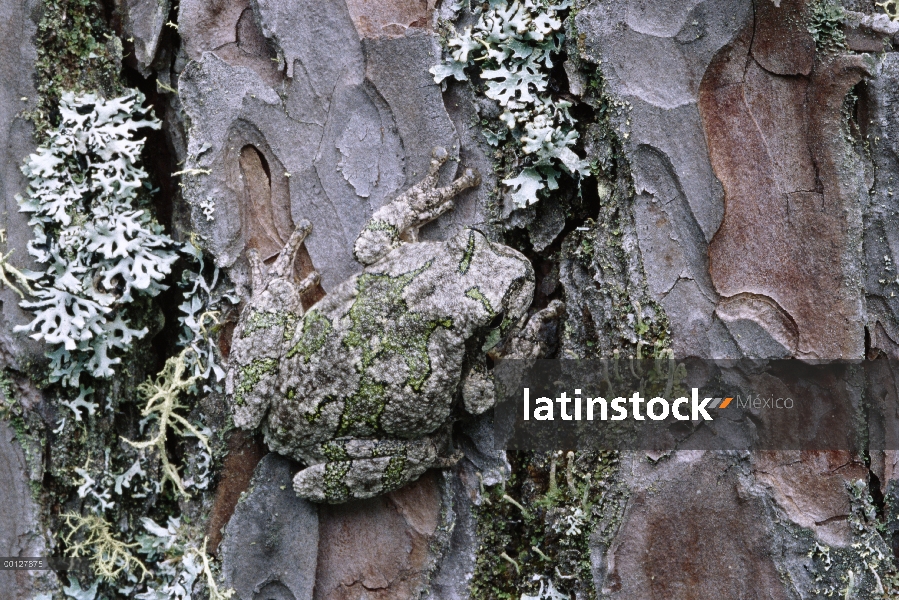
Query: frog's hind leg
x=359 y=469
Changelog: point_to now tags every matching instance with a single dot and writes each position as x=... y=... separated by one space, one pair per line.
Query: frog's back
x=381 y=355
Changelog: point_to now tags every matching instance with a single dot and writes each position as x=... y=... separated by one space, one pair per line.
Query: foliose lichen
x=94 y=237
x=826 y=25
x=511 y=50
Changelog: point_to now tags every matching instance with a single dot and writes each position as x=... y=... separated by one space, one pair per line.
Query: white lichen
x=511 y=48
x=200 y=313
x=76 y=592
x=547 y=591
x=98 y=245
x=177 y=567
x=81 y=402
x=91 y=489
x=124 y=480
x=208 y=208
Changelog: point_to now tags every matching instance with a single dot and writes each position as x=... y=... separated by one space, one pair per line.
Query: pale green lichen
x=826 y=25
x=511 y=48
x=8 y=271
x=863 y=569
x=90 y=536
x=163 y=401
x=891 y=8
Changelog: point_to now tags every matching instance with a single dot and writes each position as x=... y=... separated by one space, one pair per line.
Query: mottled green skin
x=365 y=386
x=381 y=359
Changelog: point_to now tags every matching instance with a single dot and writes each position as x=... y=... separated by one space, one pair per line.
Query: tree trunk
x=740 y=205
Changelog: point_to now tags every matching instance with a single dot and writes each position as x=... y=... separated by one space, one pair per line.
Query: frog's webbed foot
x=369 y=468
x=399 y=220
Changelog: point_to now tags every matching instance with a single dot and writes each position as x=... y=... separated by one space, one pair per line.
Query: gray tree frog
x=364 y=387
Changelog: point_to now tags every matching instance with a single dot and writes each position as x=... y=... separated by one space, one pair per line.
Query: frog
x=364 y=387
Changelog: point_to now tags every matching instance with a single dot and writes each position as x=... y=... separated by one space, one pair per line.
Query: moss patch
x=537 y=527
x=77 y=51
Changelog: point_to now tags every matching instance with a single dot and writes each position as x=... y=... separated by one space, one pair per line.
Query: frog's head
x=501 y=279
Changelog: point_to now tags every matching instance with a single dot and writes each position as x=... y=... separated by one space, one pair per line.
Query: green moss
x=633 y=322
x=8 y=404
x=556 y=493
x=76 y=50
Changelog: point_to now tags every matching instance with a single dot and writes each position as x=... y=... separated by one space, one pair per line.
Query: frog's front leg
x=265 y=326
x=359 y=469
x=398 y=221
x=530 y=340
x=534 y=338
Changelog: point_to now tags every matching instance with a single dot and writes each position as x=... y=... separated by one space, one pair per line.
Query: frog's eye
x=497 y=320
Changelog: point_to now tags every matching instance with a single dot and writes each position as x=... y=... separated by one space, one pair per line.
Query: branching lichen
x=891 y=8
x=108 y=556
x=99 y=247
x=8 y=271
x=200 y=316
x=162 y=395
x=512 y=48
x=214 y=592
